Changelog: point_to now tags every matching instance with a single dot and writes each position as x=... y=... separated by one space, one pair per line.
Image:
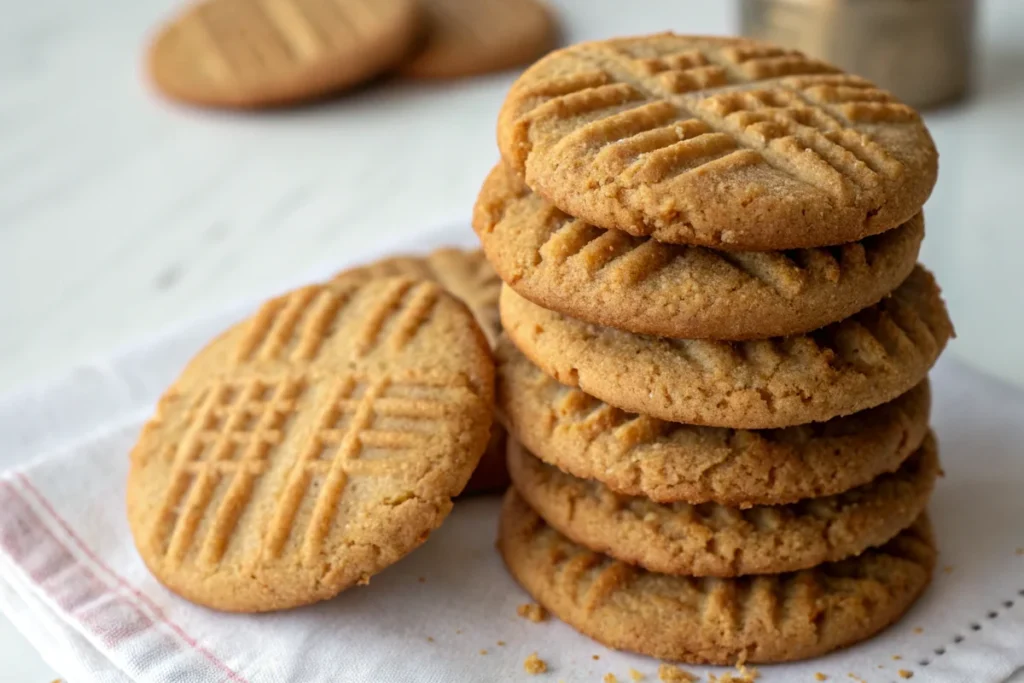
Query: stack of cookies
x=716 y=346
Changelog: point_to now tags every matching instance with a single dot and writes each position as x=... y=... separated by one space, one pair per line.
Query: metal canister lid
x=920 y=50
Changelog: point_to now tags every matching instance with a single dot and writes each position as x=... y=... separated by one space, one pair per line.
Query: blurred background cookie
x=466 y=37
x=259 y=53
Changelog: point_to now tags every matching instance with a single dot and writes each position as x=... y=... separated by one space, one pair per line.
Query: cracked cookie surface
x=314 y=444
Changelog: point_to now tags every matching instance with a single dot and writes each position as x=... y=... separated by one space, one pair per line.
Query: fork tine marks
x=375 y=321
x=687 y=154
x=415 y=314
x=623 y=125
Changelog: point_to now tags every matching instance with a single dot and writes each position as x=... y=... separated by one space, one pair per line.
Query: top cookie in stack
x=717 y=142
x=712 y=243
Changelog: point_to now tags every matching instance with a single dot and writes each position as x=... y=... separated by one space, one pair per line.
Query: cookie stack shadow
x=715 y=350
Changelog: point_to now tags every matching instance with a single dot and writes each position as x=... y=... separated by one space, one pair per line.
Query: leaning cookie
x=312 y=445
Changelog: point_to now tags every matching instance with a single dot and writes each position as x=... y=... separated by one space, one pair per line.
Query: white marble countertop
x=121 y=214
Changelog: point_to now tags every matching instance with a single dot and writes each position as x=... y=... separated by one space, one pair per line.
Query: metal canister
x=921 y=50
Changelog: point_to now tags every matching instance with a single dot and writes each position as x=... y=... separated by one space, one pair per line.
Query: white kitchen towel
x=71 y=580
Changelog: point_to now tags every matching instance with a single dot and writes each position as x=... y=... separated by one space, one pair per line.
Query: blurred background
x=122 y=213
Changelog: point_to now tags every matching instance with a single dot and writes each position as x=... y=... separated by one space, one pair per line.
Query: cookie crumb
x=918 y=630
x=820 y=677
x=535 y=665
x=896 y=658
x=742 y=675
x=501 y=643
x=532 y=611
x=636 y=675
x=422 y=579
x=483 y=652
x=948 y=569
x=747 y=675
x=610 y=678
x=905 y=674
x=430 y=639
x=595 y=657
x=667 y=673
x=856 y=678
x=458 y=631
